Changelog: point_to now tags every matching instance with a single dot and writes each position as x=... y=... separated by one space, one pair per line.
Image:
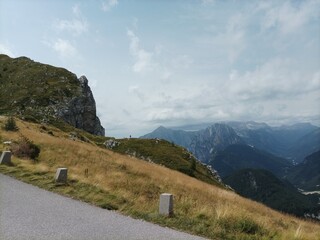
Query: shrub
x=10 y=124
x=26 y=149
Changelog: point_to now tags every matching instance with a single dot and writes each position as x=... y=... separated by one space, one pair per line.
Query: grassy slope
x=167 y=154
x=30 y=88
x=133 y=186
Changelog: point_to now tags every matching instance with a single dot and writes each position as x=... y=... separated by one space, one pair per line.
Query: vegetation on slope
x=238 y=156
x=167 y=154
x=132 y=186
x=262 y=186
x=29 y=87
x=42 y=93
x=306 y=175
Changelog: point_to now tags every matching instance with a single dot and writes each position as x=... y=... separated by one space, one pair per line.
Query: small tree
x=193 y=165
x=10 y=124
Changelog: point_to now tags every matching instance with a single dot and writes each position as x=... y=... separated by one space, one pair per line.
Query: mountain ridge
x=292 y=142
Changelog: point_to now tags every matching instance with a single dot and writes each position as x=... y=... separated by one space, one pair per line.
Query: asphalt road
x=28 y=212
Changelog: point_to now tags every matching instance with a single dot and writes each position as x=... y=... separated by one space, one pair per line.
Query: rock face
x=44 y=93
x=202 y=143
x=80 y=111
x=212 y=139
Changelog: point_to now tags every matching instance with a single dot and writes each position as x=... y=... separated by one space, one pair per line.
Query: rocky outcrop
x=80 y=111
x=43 y=93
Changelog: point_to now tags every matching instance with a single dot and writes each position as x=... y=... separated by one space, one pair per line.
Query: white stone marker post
x=61 y=175
x=166 y=204
x=5 y=157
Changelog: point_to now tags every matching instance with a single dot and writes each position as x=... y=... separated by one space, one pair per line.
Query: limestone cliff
x=80 y=111
x=44 y=93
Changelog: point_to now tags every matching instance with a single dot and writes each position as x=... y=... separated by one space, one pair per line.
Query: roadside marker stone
x=166 y=204
x=5 y=158
x=61 y=175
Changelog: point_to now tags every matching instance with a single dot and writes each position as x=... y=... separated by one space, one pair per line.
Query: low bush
x=10 y=124
x=26 y=149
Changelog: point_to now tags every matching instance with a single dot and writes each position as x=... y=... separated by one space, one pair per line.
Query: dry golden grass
x=209 y=210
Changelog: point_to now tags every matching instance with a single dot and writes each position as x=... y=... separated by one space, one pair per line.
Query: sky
x=177 y=62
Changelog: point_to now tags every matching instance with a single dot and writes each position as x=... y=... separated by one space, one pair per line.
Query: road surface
x=28 y=212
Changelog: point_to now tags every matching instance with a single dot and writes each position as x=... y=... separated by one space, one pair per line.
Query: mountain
x=166 y=154
x=241 y=156
x=293 y=142
x=285 y=141
x=306 y=175
x=262 y=186
x=213 y=139
x=180 y=137
x=305 y=146
x=259 y=135
x=43 y=93
x=202 y=143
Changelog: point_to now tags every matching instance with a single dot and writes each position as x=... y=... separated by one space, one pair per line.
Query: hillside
x=43 y=93
x=166 y=154
x=132 y=186
x=306 y=175
x=306 y=145
x=180 y=137
x=263 y=186
x=240 y=156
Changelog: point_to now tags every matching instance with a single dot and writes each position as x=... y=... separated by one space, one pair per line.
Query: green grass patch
x=167 y=154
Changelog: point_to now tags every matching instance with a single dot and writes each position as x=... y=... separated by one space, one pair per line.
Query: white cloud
x=75 y=26
x=63 y=47
x=232 y=40
x=78 y=25
x=137 y=92
x=76 y=10
x=183 y=61
x=276 y=78
x=289 y=16
x=107 y=5
x=207 y=2
x=143 y=58
x=4 y=49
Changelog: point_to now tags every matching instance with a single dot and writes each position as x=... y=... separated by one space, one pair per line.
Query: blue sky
x=172 y=63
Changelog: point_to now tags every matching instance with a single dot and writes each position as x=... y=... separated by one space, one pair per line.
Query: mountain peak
x=161 y=128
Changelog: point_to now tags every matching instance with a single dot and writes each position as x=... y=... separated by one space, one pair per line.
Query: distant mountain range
x=231 y=146
x=293 y=142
